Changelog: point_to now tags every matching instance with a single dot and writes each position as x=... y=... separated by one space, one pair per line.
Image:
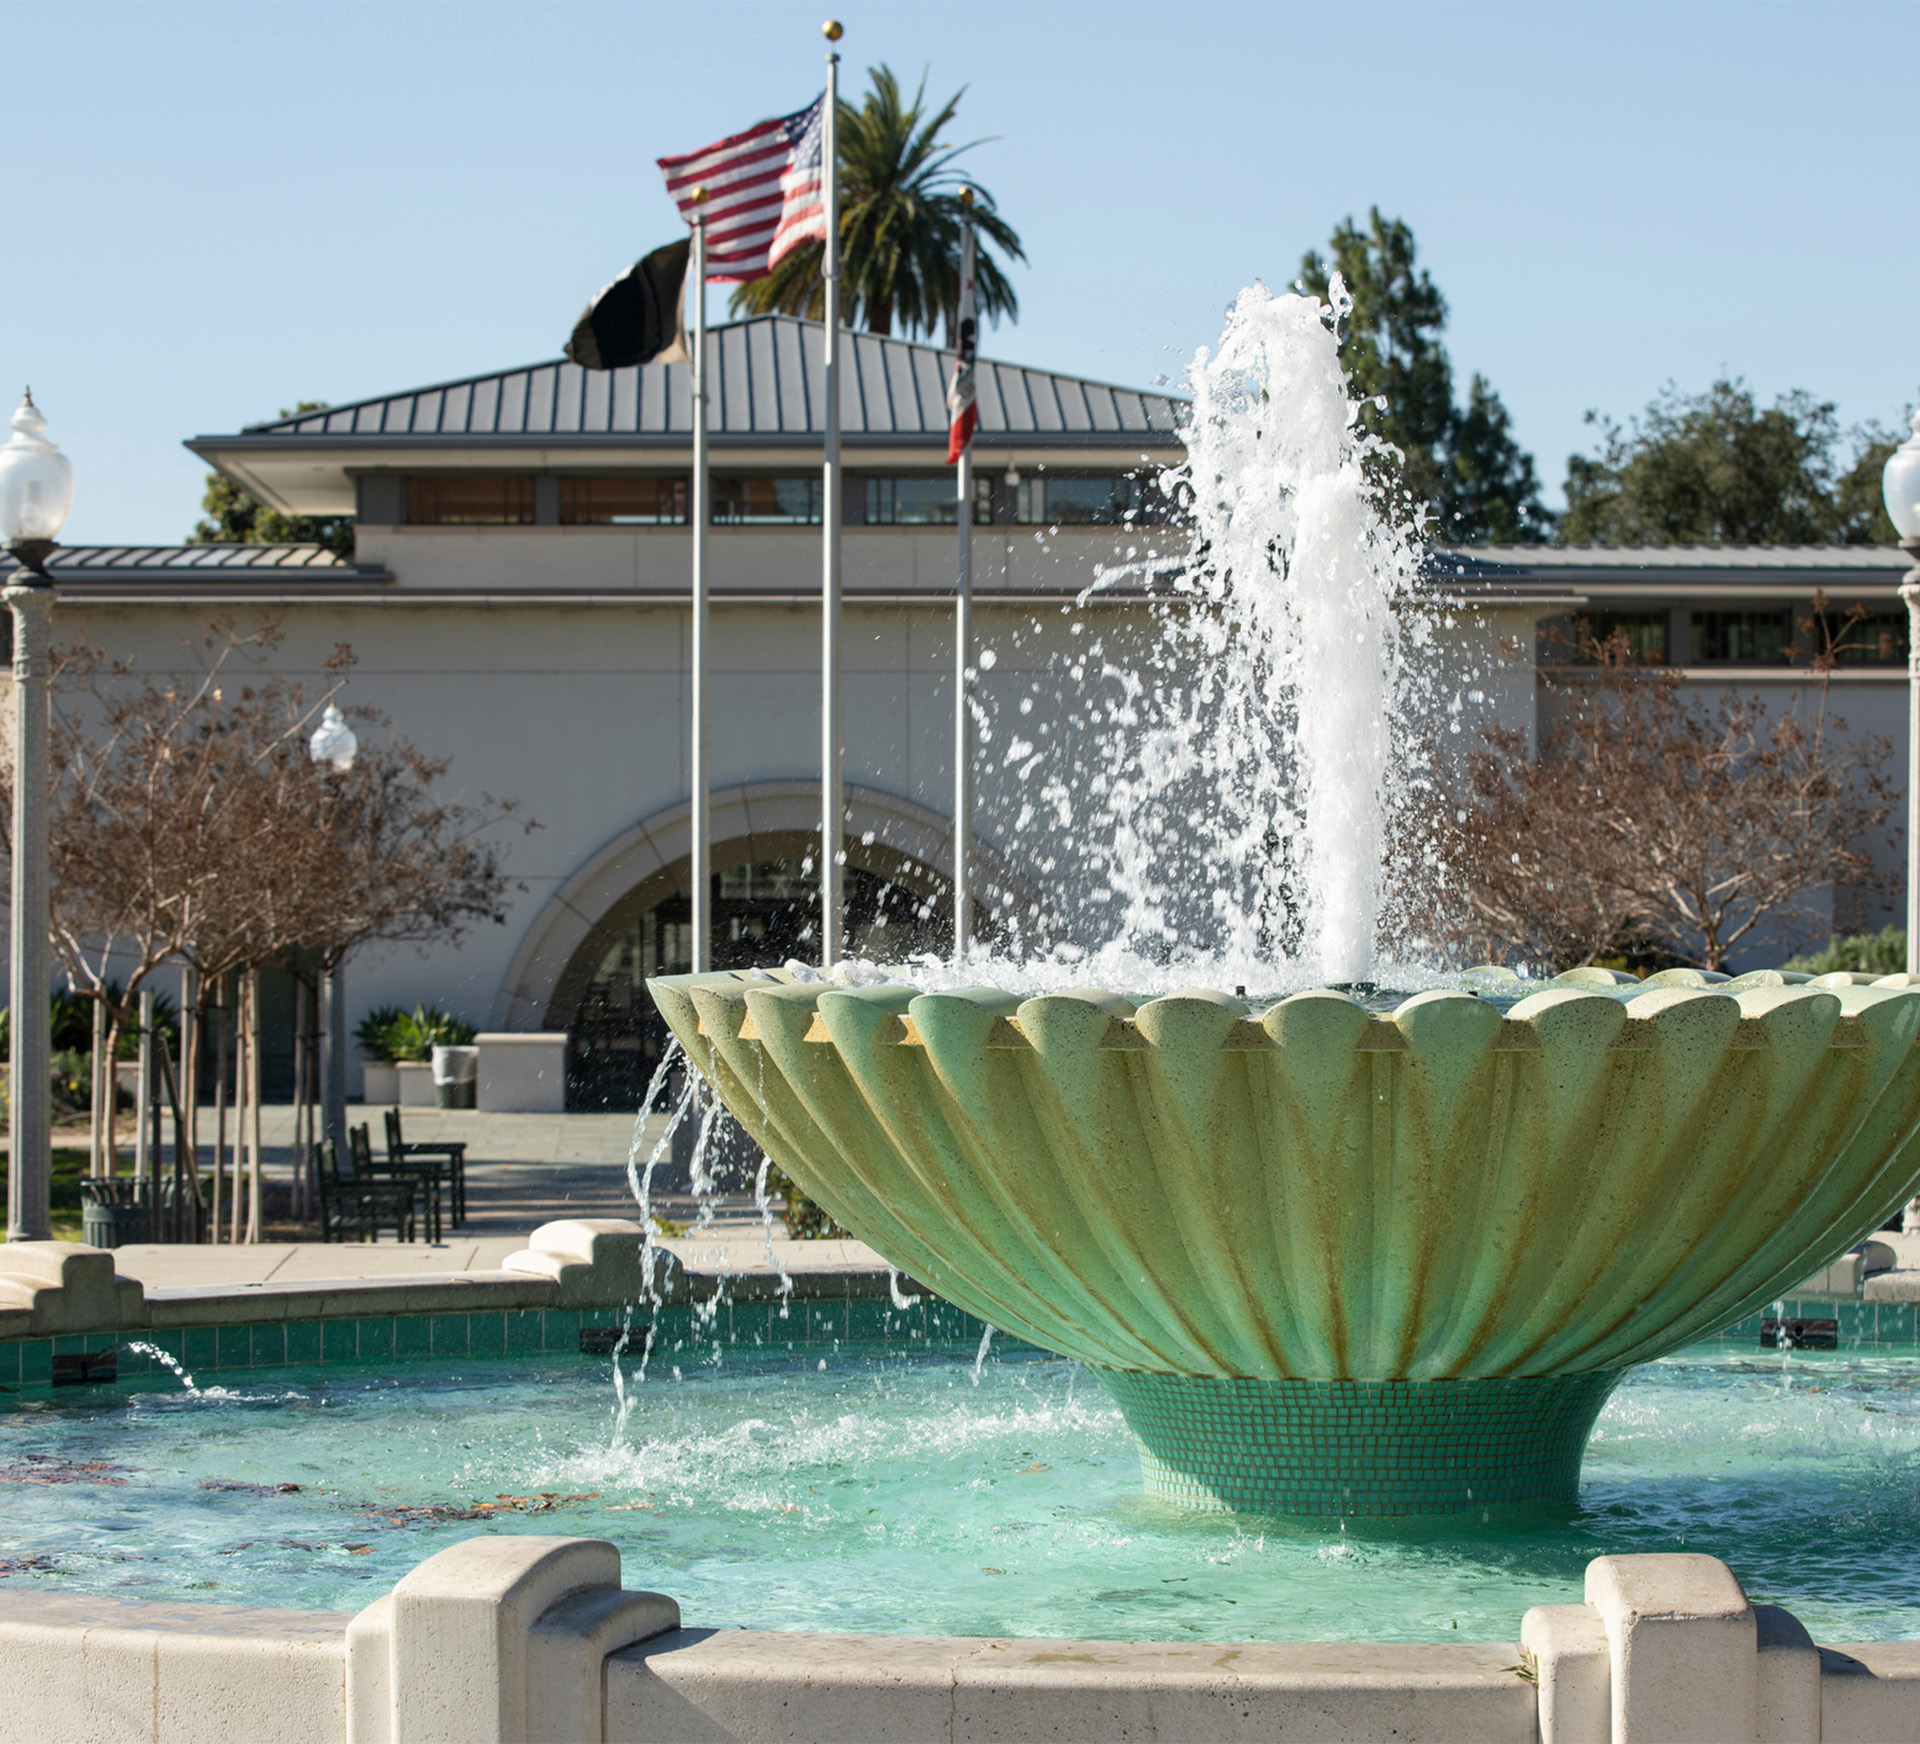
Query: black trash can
x=113 y=1212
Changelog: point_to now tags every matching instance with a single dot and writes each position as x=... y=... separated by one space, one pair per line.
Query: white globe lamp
x=333 y=741
x=36 y=490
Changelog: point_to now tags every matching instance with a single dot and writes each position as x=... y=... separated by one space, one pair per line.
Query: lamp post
x=1900 y=484
x=36 y=490
x=333 y=742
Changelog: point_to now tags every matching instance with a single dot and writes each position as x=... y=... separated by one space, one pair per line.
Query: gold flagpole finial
x=831 y=30
x=700 y=196
x=966 y=198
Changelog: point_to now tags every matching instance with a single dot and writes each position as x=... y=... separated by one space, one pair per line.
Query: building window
x=1107 y=501
x=623 y=502
x=766 y=502
x=1763 y=638
x=924 y=502
x=475 y=500
x=1878 y=639
x=1645 y=634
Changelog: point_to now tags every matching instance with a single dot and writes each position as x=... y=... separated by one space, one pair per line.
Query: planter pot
x=416 y=1084
x=380 y=1082
x=523 y=1071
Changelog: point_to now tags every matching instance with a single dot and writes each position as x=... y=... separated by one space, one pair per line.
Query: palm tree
x=900 y=212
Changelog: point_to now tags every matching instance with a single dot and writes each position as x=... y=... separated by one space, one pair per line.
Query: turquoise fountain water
x=893 y=1493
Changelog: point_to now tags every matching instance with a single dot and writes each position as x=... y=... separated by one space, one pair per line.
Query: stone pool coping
x=63 y=1300
x=59 y=1299
x=517 y=1638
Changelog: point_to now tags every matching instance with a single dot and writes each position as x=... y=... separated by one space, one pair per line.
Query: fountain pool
x=890 y=1492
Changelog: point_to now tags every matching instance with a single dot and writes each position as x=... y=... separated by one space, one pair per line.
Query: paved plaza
x=523 y=1170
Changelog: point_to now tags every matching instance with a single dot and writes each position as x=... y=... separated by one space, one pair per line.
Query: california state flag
x=961 y=410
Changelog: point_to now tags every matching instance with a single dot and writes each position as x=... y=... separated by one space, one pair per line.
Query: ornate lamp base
x=1360 y=1447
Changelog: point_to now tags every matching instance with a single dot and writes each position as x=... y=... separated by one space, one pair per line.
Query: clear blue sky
x=217 y=210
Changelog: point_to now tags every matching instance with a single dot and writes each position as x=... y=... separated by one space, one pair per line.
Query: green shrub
x=71 y=1017
x=806 y=1220
x=1881 y=953
x=373 y=1032
x=413 y=1035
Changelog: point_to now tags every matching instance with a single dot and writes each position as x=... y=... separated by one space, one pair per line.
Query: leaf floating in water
x=44 y=1468
x=427 y=1513
x=41 y=1564
x=236 y=1487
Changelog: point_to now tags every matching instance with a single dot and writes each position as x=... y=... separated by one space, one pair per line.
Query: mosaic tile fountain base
x=1360 y=1447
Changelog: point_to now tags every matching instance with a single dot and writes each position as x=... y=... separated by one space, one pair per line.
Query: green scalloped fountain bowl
x=1330 y=1261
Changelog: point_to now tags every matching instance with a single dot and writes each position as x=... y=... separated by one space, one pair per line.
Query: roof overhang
x=314 y=475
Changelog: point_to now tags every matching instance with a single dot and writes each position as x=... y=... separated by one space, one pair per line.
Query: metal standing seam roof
x=174 y=559
x=1707 y=557
x=765 y=380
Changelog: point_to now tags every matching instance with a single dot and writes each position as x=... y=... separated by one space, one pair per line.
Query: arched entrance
x=625 y=915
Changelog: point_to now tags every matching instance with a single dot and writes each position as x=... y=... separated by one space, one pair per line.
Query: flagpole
x=831 y=793
x=702 y=775
x=962 y=659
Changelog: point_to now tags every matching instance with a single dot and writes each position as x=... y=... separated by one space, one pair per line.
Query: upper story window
x=470 y=500
x=1643 y=632
x=623 y=502
x=923 y=502
x=1112 y=500
x=766 y=502
x=1742 y=638
x=1878 y=639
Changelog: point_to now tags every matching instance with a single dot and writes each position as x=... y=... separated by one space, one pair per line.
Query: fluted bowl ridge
x=1581 y=1179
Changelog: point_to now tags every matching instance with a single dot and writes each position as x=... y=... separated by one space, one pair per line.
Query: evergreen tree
x=1476 y=482
x=236 y=517
x=1716 y=468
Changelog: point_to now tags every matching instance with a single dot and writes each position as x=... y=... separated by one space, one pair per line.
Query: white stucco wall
x=549 y=664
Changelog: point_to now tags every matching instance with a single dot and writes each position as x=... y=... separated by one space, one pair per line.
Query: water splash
x=1250 y=784
x=167 y=1360
x=980 y=1355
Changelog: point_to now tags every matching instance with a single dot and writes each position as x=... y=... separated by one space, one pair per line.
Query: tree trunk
x=253 y=1101
x=301 y=1032
x=110 y=1120
x=191 y=1020
x=239 y=1105
x=221 y=1051
x=96 y=1096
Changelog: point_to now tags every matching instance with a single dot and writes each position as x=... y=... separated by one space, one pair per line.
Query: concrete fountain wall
x=1331 y=1261
x=526 y=1640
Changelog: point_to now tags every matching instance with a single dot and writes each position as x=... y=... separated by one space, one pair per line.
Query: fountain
x=1331 y=1254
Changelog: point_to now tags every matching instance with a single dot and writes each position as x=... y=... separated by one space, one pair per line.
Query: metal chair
x=427 y=1176
x=352 y=1203
x=399 y=1151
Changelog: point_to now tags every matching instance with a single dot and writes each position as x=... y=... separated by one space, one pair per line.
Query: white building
x=519 y=601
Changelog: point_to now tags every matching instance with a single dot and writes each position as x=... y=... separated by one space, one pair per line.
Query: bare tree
x=191 y=825
x=1655 y=820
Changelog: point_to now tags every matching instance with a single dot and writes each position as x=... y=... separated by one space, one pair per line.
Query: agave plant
x=408 y=1036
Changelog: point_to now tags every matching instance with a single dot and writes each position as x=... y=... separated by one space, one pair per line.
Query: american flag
x=962 y=410
x=765 y=194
